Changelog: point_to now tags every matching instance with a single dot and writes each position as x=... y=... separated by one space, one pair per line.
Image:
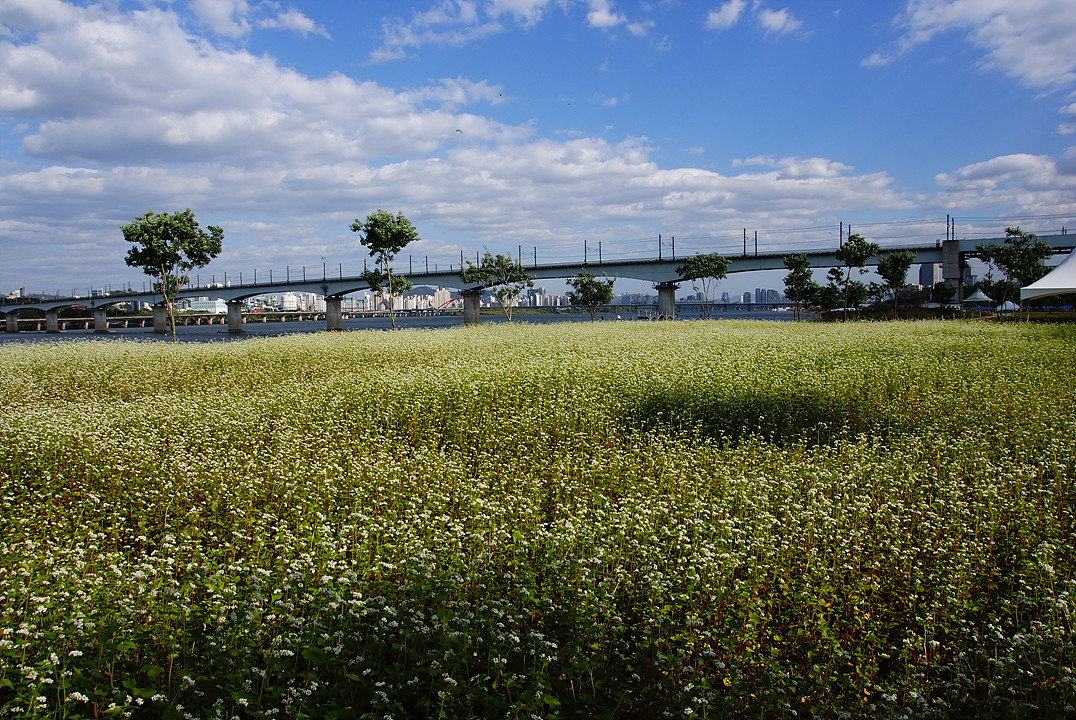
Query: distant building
x=746 y=298
x=930 y=274
x=215 y=306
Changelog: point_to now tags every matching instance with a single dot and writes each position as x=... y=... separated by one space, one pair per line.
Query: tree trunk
x=392 y=316
x=168 y=304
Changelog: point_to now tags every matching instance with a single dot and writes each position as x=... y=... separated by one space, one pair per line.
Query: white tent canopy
x=977 y=297
x=1060 y=280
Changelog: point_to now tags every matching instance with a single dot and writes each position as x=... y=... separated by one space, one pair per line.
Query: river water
x=217 y=333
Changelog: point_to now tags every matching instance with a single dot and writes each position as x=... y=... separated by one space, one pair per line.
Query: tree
x=590 y=292
x=167 y=246
x=854 y=253
x=385 y=283
x=829 y=296
x=1020 y=258
x=877 y=293
x=385 y=235
x=893 y=268
x=502 y=272
x=704 y=272
x=800 y=286
x=942 y=293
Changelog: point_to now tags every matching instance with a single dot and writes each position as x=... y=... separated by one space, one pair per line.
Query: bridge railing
x=588 y=254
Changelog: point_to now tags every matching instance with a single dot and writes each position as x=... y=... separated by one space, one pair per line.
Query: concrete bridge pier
x=100 y=320
x=472 y=306
x=160 y=319
x=334 y=317
x=235 y=316
x=667 y=299
x=953 y=265
x=11 y=321
x=52 y=321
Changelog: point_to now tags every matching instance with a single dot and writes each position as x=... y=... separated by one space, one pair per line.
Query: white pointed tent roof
x=1060 y=280
x=977 y=297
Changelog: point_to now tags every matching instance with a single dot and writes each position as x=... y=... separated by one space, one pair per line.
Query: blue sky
x=541 y=124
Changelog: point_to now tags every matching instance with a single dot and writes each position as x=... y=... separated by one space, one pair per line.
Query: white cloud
x=725 y=16
x=609 y=101
x=295 y=21
x=526 y=12
x=458 y=22
x=1023 y=183
x=602 y=15
x=802 y=168
x=224 y=17
x=1068 y=127
x=1030 y=40
x=762 y=160
x=449 y=22
x=877 y=59
x=779 y=22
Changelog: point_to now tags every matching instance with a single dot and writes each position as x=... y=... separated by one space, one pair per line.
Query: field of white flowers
x=629 y=520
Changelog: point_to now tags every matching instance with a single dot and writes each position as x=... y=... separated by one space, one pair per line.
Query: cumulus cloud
x=224 y=17
x=294 y=21
x=236 y=18
x=458 y=22
x=35 y=15
x=773 y=22
x=526 y=12
x=602 y=15
x=726 y=16
x=778 y=22
x=1028 y=184
x=1030 y=40
x=1068 y=127
x=763 y=160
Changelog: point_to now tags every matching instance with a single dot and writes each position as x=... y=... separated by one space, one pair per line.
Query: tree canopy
x=1020 y=258
x=893 y=268
x=385 y=235
x=704 y=271
x=590 y=291
x=800 y=286
x=854 y=253
x=503 y=273
x=167 y=246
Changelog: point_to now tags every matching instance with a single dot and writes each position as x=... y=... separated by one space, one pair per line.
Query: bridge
x=952 y=254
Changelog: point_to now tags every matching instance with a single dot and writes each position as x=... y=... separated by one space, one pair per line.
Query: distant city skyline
x=547 y=128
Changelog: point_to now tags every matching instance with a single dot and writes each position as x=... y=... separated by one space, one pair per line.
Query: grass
x=642 y=520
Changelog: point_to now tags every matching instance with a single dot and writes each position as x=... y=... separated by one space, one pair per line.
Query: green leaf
x=314 y=655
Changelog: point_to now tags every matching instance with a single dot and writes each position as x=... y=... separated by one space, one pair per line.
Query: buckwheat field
x=620 y=520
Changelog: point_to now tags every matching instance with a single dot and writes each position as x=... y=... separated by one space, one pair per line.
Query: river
x=216 y=333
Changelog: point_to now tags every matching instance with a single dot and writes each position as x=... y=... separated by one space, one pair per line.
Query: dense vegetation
x=627 y=520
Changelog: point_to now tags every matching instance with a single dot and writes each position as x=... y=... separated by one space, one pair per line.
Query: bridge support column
x=235 y=316
x=160 y=319
x=11 y=321
x=52 y=321
x=100 y=320
x=953 y=265
x=472 y=306
x=334 y=318
x=667 y=299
